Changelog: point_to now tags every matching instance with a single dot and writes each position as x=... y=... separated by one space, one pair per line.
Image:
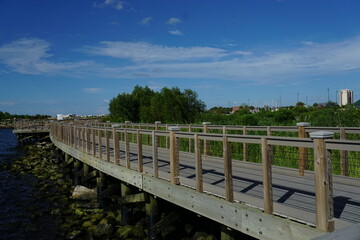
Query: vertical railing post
x=190 y=140
x=107 y=144
x=155 y=142
x=167 y=141
x=139 y=151
x=87 y=133
x=267 y=175
x=127 y=148
x=83 y=138
x=206 y=142
x=245 y=146
x=93 y=141
x=344 y=164
x=303 y=158
x=198 y=162
x=229 y=192
x=116 y=145
x=174 y=155
x=323 y=181
x=100 y=143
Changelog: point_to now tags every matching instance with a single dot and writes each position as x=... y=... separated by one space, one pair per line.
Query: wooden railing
x=100 y=140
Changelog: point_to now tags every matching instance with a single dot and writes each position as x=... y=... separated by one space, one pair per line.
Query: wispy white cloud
x=93 y=90
x=275 y=66
x=146 y=21
x=307 y=43
x=146 y=52
x=30 y=56
x=176 y=32
x=173 y=21
x=7 y=103
x=116 y=4
x=106 y=100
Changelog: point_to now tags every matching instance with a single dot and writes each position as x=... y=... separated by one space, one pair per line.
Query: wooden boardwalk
x=294 y=197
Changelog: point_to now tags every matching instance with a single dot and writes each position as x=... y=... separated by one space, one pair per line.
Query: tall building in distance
x=346 y=97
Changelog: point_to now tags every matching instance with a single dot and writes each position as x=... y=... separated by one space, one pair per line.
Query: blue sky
x=75 y=56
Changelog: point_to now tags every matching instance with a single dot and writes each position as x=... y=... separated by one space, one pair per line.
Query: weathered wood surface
x=293 y=195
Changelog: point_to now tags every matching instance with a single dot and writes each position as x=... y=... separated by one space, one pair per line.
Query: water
x=23 y=213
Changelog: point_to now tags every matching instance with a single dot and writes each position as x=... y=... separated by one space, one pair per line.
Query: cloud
x=173 y=21
x=106 y=100
x=116 y=4
x=307 y=43
x=275 y=66
x=146 y=21
x=176 y=32
x=146 y=52
x=30 y=56
x=7 y=103
x=93 y=90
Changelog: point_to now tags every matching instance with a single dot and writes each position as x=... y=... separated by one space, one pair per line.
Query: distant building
x=345 y=97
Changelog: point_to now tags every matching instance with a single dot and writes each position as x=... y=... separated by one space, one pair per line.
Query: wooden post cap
x=206 y=123
x=173 y=128
x=321 y=134
x=127 y=122
x=115 y=125
x=157 y=122
x=302 y=124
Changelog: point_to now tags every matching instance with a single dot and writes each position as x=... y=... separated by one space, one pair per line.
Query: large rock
x=84 y=193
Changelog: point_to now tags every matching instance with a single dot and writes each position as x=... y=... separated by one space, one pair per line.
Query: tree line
x=5 y=116
x=171 y=105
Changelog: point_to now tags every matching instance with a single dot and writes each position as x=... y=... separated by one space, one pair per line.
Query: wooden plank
x=267 y=176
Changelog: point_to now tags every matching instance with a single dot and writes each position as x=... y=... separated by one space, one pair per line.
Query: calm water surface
x=23 y=213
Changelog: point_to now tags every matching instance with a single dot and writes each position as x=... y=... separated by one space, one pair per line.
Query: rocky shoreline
x=81 y=219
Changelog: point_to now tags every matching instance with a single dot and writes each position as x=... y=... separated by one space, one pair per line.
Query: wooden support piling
x=100 y=143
